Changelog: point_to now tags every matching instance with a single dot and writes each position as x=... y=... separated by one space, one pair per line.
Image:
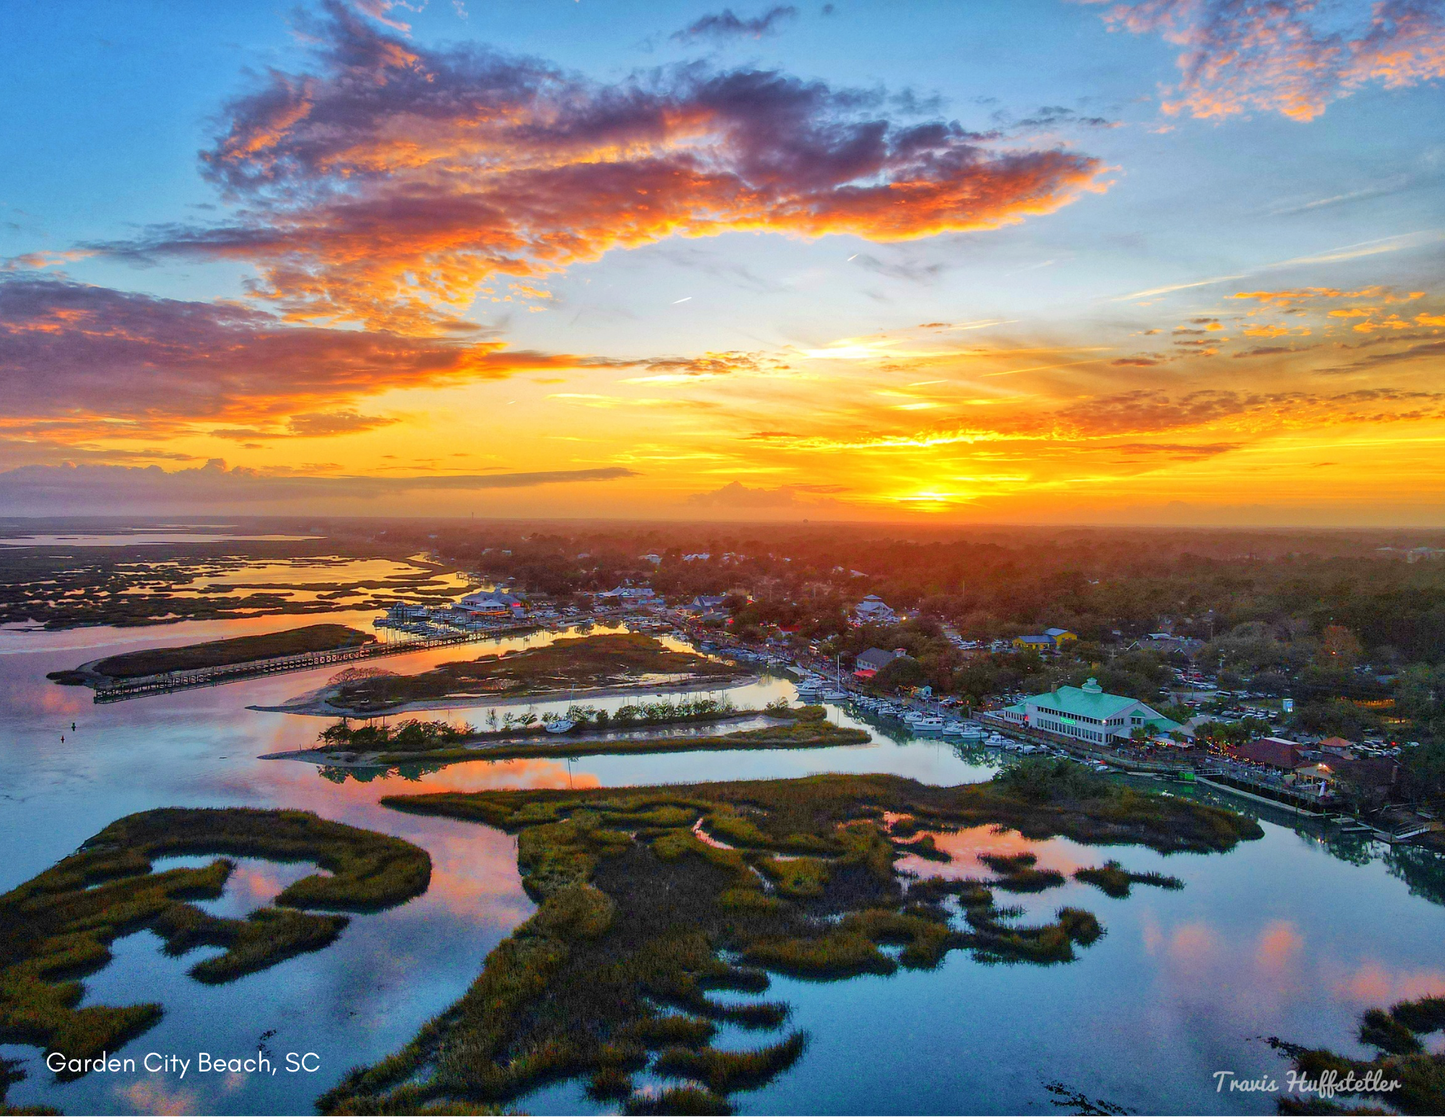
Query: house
x=706 y=603
x=1088 y=713
x=1272 y=752
x=1339 y=747
x=1060 y=636
x=1035 y=643
x=872 y=661
x=651 y=557
x=873 y=610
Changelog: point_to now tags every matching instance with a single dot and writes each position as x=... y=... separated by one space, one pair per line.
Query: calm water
x=1285 y=936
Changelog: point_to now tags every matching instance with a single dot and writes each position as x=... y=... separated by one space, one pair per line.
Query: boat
x=924 y=723
x=972 y=732
x=561 y=725
x=997 y=741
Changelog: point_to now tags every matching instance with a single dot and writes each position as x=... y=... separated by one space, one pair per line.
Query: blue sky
x=108 y=108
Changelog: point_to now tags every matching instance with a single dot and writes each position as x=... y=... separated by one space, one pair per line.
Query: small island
x=436 y=742
x=580 y=666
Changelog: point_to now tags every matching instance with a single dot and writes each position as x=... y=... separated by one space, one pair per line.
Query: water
x=1289 y=936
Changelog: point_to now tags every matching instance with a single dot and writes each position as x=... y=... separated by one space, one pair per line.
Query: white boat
x=997 y=741
x=924 y=723
x=561 y=725
x=972 y=732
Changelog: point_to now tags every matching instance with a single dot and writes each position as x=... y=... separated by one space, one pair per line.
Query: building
x=706 y=602
x=628 y=597
x=490 y=605
x=1272 y=752
x=873 y=610
x=872 y=661
x=1035 y=644
x=1060 y=636
x=1087 y=713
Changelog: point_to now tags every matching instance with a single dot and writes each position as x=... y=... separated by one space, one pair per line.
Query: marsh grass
x=1018 y=873
x=1402 y=1058
x=11 y=1072
x=724 y=1072
x=924 y=847
x=58 y=927
x=581 y=661
x=636 y=914
x=1113 y=879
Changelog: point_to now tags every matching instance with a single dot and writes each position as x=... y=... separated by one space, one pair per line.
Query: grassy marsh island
x=57 y=927
x=216 y=653
x=651 y=898
x=1397 y=1035
x=1113 y=879
x=625 y=661
x=439 y=742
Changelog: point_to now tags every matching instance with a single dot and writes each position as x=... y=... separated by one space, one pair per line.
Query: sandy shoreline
x=316 y=703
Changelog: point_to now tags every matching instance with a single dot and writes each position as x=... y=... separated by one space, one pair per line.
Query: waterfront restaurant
x=1087 y=713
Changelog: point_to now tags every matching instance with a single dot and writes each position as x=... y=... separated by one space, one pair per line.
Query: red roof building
x=1272 y=752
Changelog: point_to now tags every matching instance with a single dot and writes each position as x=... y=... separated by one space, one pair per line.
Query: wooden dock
x=122 y=689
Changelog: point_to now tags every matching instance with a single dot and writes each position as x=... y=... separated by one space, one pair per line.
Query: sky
x=1036 y=261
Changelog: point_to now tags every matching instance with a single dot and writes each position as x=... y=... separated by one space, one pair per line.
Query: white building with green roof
x=1086 y=713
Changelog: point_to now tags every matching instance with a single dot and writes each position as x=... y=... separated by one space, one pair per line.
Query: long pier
x=121 y=689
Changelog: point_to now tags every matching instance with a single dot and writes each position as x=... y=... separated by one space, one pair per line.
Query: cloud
x=1263 y=350
x=393 y=182
x=76 y=489
x=1288 y=56
x=1297 y=295
x=73 y=350
x=1377 y=360
x=1151 y=410
x=737 y=495
x=316 y=424
x=726 y=25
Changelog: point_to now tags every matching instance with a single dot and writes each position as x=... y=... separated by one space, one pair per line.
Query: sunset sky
x=1035 y=260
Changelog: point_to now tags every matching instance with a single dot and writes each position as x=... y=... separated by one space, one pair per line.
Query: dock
x=139 y=687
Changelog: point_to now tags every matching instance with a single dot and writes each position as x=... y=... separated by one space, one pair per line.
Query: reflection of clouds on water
x=153 y=1095
x=966 y=846
x=1373 y=984
x=1279 y=947
x=22 y=696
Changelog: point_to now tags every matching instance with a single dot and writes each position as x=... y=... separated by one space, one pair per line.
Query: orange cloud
x=1288 y=56
x=76 y=351
x=388 y=187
